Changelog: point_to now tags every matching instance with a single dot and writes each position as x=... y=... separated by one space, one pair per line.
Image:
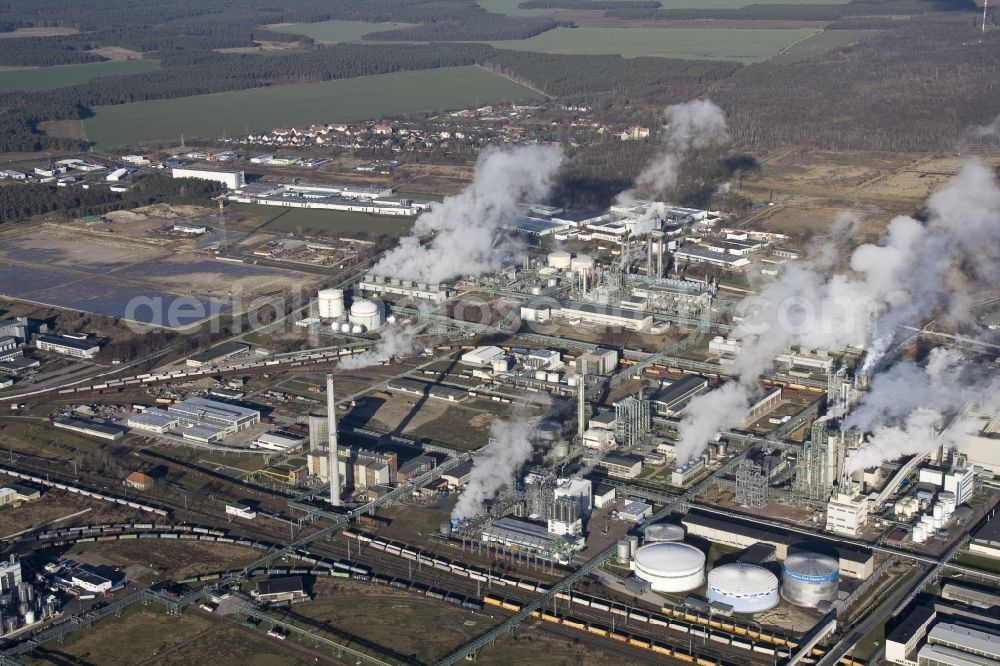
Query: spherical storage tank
x=670 y=567
x=746 y=587
x=809 y=578
x=663 y=533
x=366 y=313
x=560 y=259
x=331 y=303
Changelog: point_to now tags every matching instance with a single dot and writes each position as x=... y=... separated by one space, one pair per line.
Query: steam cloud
x=510 y=447
x=690 y=126
x=397 y=341
x=465 y=226
x=916 y=269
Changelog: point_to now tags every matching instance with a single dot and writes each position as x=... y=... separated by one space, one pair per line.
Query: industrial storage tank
x=670 y=567
x=367 y=313
x=581 y=263
x=559 y=259
x=748 y=588
x=663 y=533
x=809 y=578
x=345 y=328
x=633 y=544
x=623 y=551
x=331 y=303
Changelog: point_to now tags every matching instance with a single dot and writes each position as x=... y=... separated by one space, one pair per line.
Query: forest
x=21 y=202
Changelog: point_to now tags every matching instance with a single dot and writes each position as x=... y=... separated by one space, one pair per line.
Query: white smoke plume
x=690 y=126
x=916 y=269
x=397 y=341
x=510 y=447
x=708 y=414
x=465 y=226
x=907 y=404
x=990 y=130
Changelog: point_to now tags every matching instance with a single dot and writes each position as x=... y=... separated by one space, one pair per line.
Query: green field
x=47 y=78
x=510 y=7
x=821 y=43
x=296 y=220
x=336 y=31
x=302 y=104
x=747 y=46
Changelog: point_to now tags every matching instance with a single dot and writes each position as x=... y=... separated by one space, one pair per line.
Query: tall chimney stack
x=649 y=255
x=331 y=424
x=581 y=384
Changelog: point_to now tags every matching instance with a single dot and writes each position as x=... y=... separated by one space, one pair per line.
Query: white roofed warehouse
x=670 y=567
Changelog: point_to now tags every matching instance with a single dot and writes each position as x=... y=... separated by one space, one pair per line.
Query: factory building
x=986 y=540
x=68 y=346
x=635 y=512
x=232 y=180
x=373 y=200
x=596 y=314
x=241 y=511
x=671 y=399
x=522 y=535
x=954 y=644
x=287 y=589
x=688 y=472
x=598 y=362
x=670 y=567
x=481 y=357
x=210 y=416
x=847 y=514
x=217 y=354
x=623 y=466
x=962 y=483
x=407 y=289
x=902 y=640
x=604 y=495
x=764 y=406
x=357 y=467
x=153 y=420
x=806 y=362
x=138 y=481
x=277 y=441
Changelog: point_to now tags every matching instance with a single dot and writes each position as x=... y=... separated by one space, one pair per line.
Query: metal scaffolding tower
x=751 y=485
x=633 y=417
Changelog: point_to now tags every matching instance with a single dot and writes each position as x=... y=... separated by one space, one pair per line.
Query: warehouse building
x=232 y=180
x=90 y=428
x=524 y=536
x=67 y=346
x=764 y=406
x=986 y=540
x=153 y=420
x=217 y=354
x=220 y=417
x=671 y=400
x=596 y=314
x=954 y=644
x=287 y=589
x=697 y=255
x=902 y=640
x=407 y=289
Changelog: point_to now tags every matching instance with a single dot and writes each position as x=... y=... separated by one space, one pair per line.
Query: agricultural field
x=336 y=31
x=263 y=108
x=299 y=220
x=820 y=43
x=510 y=7
x=47 y=78
x=743 y=45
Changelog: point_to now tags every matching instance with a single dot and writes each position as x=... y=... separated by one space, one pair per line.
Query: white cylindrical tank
x=663 y=533
x=633 y=544
x=357 y=329
x=331 y=303
x=748 y=588
x=938 y=522
x=919 y=534
x=559 y=259
x=670 y=567
x=623 y=551
x=560 y=450
x=938 y=511
x=345 y=328
x=367 y=313
x=581 y=263
x=809 y=578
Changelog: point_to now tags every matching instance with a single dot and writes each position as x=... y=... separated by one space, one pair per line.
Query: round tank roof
x=663 y=532
x=812 y=566
x=364 y=308
x=669 y=557
x=741 y=579
x=331 y=293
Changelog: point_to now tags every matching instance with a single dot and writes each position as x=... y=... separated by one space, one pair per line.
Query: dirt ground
x=169 y=560
x=45 y=31
x=66 y=129
x=117 y=53
x=56 y=504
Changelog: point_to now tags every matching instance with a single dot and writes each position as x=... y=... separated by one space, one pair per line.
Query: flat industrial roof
x=219 y=351
x=68 y=342
x=679 y=389
x=105 y=428
x=910 y=624
x=598 y=309
x=281 y=585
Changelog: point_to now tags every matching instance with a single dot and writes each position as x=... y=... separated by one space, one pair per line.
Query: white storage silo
x=663 y=533
x=560 y=260
x=582 y=263
x=919 y=534
x=331 y=303
x=345 y=328
x=367 y=313
x=748 y=588
x=670 y=567
x=809 y=578
x=633 y=544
